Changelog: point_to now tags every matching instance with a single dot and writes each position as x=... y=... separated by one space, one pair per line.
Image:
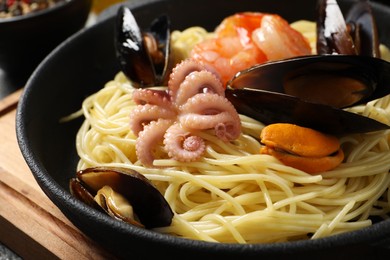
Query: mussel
x=123 y=194
x=311 y=91
x=357 y=34
x=143 y=55
x=363 y=30
x=332 y=31
x=272 y=107
x=336 y=80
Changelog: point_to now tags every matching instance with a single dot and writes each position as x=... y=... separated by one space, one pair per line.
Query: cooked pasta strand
x=234 y=194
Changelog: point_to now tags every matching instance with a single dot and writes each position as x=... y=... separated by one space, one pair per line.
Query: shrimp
x=240 y=24
x=278 y=40
x=232 y=49
x=245 y=39
x=226 y=56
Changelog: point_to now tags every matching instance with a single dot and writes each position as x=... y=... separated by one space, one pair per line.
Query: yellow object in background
x=100 y=5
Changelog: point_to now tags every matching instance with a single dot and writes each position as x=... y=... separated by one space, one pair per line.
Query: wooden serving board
x=30 y=224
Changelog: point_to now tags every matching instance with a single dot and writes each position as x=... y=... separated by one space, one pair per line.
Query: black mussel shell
x=143 y=55
x=363 y=29
x=312 y=90
x=272 y=107
x=148 y=203
x=82 y=193
x=336 y=80
x=357 y=34
x=333 y=36
x=161 y=33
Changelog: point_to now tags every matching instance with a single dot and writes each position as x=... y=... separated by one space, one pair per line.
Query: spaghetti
x=234 y=194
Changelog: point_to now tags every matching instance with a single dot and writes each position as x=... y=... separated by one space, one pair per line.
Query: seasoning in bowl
x=11 y=8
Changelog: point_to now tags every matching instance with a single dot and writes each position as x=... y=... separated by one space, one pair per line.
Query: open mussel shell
x=356 y=34
x=149 y=205
x=272 y=107
x=82 y=193
x=143 y=55
x=333 y=36
x=363 y=29
x=161 y=35
x=335 y=80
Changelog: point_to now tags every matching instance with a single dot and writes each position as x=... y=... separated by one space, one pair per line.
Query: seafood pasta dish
x=196 y=140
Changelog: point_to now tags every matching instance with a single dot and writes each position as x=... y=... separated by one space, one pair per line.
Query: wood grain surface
x=30 y=224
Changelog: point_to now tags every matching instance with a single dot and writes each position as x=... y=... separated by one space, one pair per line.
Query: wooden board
x=30 y=224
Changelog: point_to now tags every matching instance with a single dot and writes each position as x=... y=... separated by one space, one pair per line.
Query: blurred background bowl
x=82 y=65
x=27 y=39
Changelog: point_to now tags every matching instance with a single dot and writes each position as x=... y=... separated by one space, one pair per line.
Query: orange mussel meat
x=302 y=148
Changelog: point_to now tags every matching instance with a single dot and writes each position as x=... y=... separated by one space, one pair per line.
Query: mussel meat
x=123 y=194
x=312 y=90
x=143 y=55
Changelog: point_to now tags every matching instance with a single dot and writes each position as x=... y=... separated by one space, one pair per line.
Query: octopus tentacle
x=227 y=131
x=182 y=145
x=142 y=115
x=198 y=82
x=149 y=138
x=151 y=96
x=204 y=111
x=179 y=72
x=204 y=121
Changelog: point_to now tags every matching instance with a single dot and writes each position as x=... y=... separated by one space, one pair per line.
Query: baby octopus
x=194 y=101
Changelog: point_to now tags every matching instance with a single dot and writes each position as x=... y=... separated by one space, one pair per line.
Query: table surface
x=30 y=224
x=34 y=228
